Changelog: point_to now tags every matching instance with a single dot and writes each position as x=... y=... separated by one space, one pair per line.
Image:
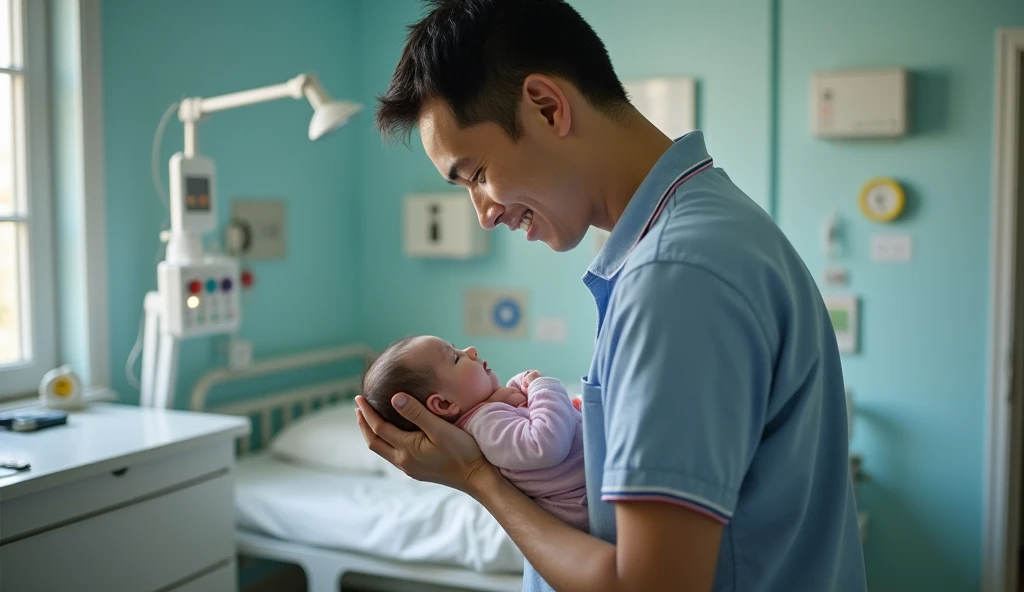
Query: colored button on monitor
x=194 y=287
x=211 y=286
x=225 y=284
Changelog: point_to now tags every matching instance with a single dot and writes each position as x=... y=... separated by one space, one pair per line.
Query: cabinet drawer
x=53 y=507
x=222 y=579
x=142 y=547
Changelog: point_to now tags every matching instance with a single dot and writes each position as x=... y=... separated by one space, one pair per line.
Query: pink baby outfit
x=538 y=446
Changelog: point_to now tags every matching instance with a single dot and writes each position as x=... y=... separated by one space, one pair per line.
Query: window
x=27 y=309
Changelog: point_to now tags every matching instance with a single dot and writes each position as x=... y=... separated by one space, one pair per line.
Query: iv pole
x=184 y=241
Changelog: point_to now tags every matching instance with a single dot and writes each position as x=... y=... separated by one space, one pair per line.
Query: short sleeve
x=686 y=380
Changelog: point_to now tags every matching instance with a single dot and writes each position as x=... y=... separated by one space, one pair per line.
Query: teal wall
x=919 y=385
x=920 y=381
x=153 y=56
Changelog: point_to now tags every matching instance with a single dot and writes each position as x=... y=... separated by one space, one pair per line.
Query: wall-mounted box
x=859 y=103
x=442 y=225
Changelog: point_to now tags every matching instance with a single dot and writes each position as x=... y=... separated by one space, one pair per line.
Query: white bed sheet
x=390 y=517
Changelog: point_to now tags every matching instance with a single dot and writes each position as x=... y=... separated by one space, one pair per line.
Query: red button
x=247 y=279
x=195 y=287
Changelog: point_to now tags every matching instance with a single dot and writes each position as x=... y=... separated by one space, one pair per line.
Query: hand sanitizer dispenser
x=443 y=225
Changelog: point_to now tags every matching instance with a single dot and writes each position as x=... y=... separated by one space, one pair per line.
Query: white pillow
x=330 y=438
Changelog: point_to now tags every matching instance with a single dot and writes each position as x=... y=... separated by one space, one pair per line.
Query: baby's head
x=448 y=381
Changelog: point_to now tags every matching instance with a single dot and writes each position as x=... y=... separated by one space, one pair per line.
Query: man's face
x=529 y=184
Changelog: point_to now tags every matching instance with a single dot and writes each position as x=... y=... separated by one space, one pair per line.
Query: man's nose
x=487 y=210
x=471 y=352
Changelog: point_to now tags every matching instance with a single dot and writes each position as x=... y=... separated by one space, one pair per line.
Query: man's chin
x=560 y=246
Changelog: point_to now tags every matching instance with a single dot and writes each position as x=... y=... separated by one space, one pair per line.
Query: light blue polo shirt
x=716 y=384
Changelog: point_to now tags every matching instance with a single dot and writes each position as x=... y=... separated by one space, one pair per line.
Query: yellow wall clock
x=882 y=199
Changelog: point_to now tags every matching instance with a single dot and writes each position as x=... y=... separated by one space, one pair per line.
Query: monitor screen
x=197 y=194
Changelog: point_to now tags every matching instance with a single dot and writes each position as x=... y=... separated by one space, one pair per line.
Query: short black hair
x=475 y=54
x=391 y=372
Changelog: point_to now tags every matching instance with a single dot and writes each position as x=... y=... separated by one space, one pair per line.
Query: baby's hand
x=516 y=399
x=529 y=378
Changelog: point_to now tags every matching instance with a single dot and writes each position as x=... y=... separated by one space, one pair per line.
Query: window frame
x=21 y=378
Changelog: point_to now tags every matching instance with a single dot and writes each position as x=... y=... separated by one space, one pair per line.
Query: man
x=714 y=408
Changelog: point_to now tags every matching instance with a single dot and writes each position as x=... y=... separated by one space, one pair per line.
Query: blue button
x=211 y=286
x=225 y=284
x=506 y=314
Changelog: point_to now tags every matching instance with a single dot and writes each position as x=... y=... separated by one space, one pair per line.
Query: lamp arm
x=194 y=109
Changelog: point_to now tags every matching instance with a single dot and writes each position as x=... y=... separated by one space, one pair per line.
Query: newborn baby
x=529 y=428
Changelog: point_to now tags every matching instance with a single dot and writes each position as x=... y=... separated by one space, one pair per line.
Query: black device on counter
x=31 y=420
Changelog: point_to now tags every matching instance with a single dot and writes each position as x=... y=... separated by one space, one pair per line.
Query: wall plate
x=551 y=330
x=894 y=248
x=836 y=276
x=262 y=227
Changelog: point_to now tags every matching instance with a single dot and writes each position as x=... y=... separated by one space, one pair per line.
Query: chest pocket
x=601 y=514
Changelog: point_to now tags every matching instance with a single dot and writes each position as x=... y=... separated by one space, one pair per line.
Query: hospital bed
x=308 y=492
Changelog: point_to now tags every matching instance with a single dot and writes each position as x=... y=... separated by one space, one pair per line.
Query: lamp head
x=330 y=116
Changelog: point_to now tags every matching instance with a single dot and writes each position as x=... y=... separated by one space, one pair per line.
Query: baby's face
x=464 y=379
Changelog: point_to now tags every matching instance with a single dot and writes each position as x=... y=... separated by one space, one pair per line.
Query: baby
x=529 y=428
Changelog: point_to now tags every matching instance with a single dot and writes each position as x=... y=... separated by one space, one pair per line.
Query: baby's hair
x=391 y=372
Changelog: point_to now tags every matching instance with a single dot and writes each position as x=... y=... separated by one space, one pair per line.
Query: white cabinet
x=121 y=499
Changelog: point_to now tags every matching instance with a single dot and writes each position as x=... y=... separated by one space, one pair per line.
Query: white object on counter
x=61 y=388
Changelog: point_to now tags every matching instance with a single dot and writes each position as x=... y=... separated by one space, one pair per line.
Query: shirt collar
x=687 y=156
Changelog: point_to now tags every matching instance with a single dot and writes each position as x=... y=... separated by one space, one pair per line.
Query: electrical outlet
x=495 y=313
x=836 y=276
x=896 y=248
x=258 y=230
x=551 y=330
x=239 y=353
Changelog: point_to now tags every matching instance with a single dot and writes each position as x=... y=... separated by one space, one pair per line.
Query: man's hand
x=440 y=453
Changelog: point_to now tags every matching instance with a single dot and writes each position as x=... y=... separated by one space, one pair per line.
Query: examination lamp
x=198 y=293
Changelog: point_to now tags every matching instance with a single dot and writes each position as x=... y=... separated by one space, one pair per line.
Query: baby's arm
x=538 y=440
x=516 y=381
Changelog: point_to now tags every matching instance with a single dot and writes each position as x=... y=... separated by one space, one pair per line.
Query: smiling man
x=714 y=408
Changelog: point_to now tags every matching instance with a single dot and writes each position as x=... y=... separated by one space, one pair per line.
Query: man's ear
x=442 y=408
x=545 y=101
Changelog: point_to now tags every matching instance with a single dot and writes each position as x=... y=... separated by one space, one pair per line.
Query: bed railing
x=264 y=408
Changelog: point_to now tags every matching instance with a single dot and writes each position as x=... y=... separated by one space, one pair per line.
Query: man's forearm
x=568 y=559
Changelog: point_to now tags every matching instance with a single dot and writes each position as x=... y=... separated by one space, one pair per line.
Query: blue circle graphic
x=506 y=314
